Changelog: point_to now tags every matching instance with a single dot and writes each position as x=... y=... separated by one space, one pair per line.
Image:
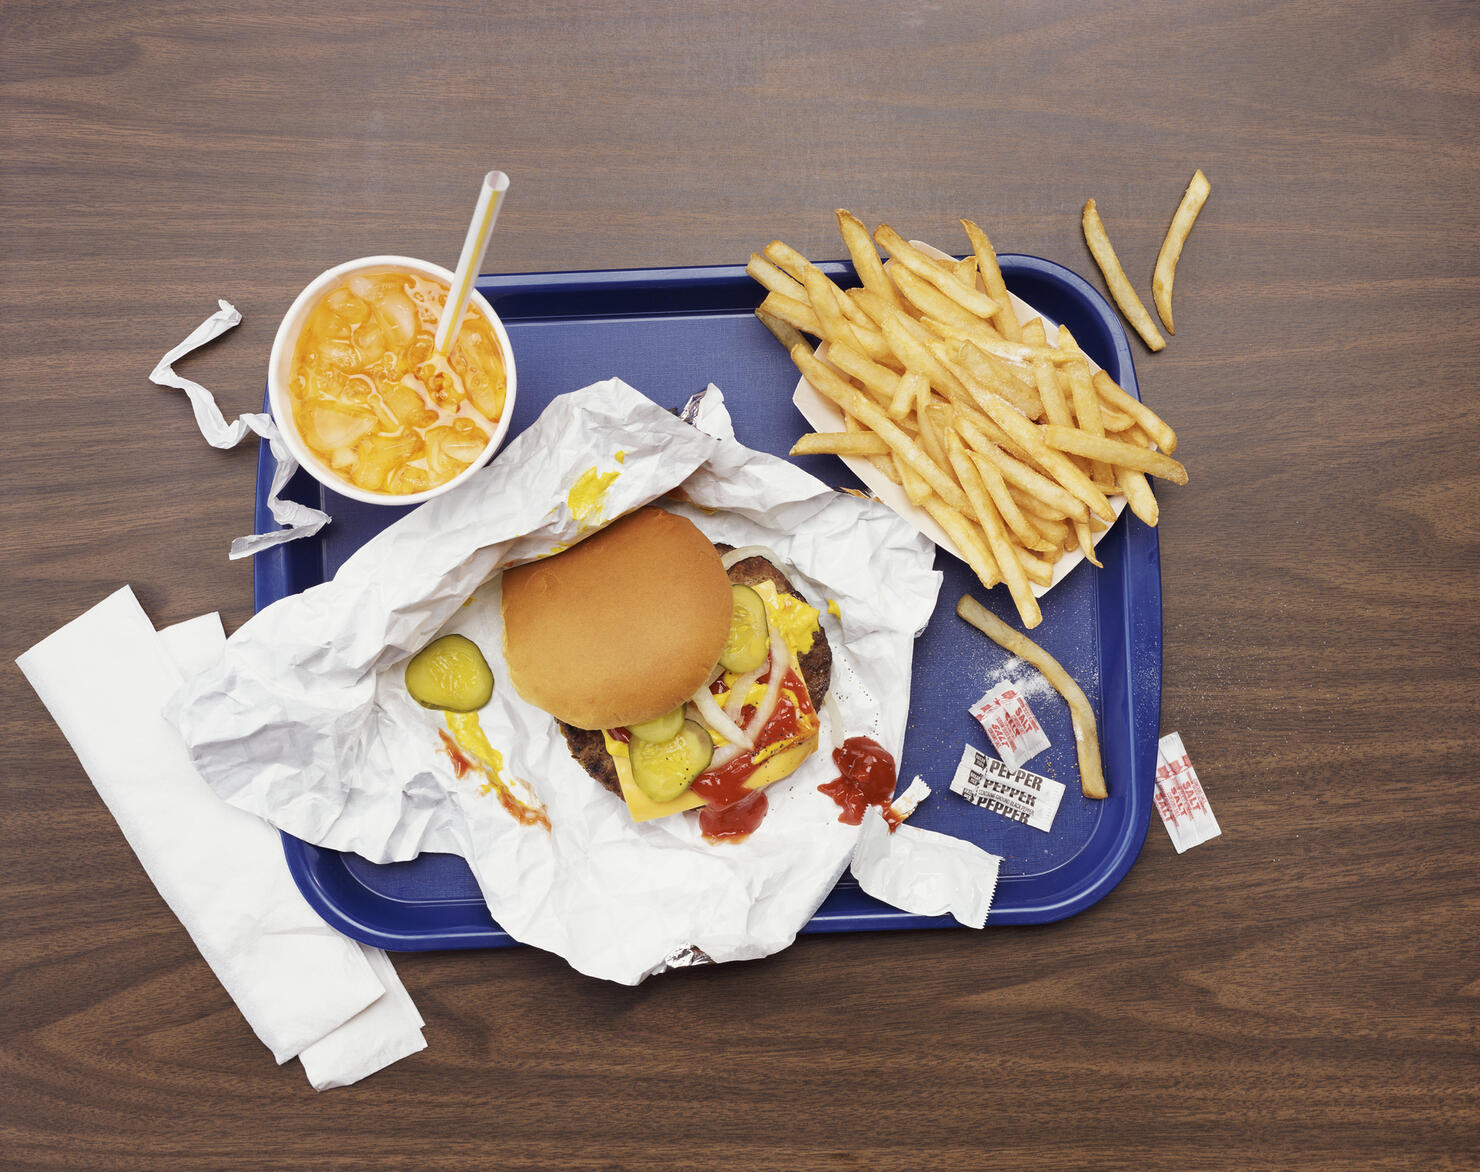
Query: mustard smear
x=587 y=497
x=477 y=753
x=834 y=609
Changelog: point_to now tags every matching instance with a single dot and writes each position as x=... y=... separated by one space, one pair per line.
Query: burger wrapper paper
x=305 y=719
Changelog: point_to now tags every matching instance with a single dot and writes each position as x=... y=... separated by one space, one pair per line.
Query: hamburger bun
x=621 y=628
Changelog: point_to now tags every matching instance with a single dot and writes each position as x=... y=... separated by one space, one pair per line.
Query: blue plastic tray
x=669 y=332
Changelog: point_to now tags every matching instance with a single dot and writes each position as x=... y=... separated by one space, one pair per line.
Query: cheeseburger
x=683 y=675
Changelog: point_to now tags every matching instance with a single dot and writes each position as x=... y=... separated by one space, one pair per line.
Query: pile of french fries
x=1013 y=443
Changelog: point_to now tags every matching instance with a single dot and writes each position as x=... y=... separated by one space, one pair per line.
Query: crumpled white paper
x=923 y=872
x=304 y=989
x=300 y=520
x=307 y=723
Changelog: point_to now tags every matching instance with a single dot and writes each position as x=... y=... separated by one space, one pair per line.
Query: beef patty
x=588 y=746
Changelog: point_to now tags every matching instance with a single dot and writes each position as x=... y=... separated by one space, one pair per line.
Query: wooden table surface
x=1301 y=992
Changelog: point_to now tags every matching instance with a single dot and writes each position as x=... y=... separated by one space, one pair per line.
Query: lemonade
x=374 y=403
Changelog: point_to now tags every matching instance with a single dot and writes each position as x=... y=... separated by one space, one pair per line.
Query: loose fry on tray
x=1115 y=278
x=1091 y=776
x=853 y=402
x=1171 y=248
x=839 y=443
x=1005 y=319
x=1068 y=439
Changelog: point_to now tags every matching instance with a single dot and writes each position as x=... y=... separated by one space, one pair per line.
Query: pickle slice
x=660 y=728
x=450 y=674
x=750 y=634
x=664 y=769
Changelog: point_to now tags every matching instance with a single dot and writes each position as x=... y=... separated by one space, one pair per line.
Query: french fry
x=991 y=523
x=835 y=443
x=917 y=356
x=1171 y=248
x=914 y=486
x=965 y=271
x=877 y=380
x=853 y=402
x=927 y=300
x=1086 y=402
x=1086 y=542
x=1115 y=278
x=1030 y=438
x=827 y=305
x=973 y=301
x=1091 y=775
x=1026 y=477
x=1005 y=319
x=784 y=332
x=772 y=279
x=1111 y=393
x=968 y=540
x=990 y=373
x=906 y=395
x=1068 y=439
x=787 y=258
x=1012 y=515
x=866 y=262
x=1037 y=571
x=934 y=425
x=1138 y=495
x=795 y=313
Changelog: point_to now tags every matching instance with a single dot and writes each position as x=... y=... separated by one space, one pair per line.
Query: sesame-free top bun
x=621 y=628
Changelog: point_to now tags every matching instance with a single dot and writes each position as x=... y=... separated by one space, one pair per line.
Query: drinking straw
x=490 y=200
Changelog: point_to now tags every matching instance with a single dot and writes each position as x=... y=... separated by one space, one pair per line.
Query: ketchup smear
x=866 y=778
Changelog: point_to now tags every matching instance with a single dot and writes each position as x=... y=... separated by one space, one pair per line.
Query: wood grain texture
x=1303 y=992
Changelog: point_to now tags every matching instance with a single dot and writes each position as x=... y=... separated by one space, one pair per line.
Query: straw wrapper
x=306 y=721
x=298 y=520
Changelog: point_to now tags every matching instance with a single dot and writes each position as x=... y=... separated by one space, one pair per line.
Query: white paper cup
x=280 y=370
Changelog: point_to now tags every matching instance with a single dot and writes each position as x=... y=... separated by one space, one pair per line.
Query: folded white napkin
x=305 y=990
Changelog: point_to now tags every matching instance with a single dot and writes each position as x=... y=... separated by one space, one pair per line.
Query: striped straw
x=490 y=200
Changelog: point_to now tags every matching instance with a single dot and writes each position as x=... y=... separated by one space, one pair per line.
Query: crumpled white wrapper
x=925 y=873
x=300 y=520
x=307 y=723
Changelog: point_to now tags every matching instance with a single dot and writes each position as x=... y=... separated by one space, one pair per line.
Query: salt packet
x=1011 y=726
x=1179 y=797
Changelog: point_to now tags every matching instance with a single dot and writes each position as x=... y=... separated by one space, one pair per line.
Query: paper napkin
x=304 y=989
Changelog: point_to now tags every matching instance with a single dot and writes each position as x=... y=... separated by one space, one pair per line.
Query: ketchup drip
x=866 y=777
x=739 y=820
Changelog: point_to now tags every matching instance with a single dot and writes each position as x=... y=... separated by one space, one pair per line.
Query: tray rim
x=272 y=581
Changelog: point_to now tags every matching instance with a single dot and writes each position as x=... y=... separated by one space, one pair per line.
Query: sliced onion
x=779 y=664
x=740 y=690
x=715 y=717
x=723 y=756
x=740 y=553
